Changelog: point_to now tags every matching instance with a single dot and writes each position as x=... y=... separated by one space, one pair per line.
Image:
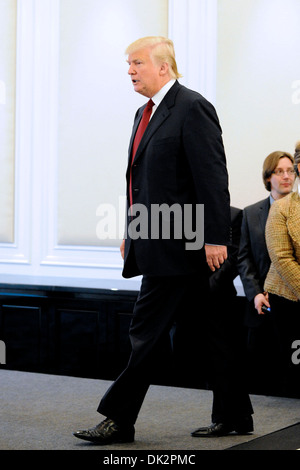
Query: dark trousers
x=285 y=315
x=161 y=302
x=227 y=372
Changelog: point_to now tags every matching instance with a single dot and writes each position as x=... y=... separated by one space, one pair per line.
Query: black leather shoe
x=107 y=432
x=243 y=426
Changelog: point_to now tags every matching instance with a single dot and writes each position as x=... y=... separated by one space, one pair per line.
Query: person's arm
x=203 y=145
x=246 y=265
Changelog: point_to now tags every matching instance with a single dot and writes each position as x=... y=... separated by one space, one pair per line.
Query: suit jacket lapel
x=264 y=212
x=134 y=129
x=160 y=115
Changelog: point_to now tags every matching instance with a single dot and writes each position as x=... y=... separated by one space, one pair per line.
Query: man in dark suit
x=178 y=166
x=253 y=266
x=226 y=382
x=219 y=335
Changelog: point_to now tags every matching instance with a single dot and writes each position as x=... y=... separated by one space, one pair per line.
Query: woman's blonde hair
x=297 y=153
x=162 y=51
x=297 y=157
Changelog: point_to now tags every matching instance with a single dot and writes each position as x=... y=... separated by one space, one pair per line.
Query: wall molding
x=19 y=252
x=193 y=29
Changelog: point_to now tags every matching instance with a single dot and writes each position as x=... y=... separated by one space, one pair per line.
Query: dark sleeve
x=222 y=279
x=203 y=146
x=246 y=264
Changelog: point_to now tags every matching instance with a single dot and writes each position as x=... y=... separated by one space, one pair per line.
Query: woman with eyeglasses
x=283 y=280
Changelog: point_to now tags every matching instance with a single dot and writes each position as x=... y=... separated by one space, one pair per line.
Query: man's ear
x=164 y=68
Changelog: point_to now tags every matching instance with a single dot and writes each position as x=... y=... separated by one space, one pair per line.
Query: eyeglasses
x=280 y=172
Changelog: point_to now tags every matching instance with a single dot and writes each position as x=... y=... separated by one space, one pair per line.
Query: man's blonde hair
x=162 y=50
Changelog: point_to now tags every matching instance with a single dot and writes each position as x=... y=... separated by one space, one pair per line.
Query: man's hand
x=122 y=248
x=215 y=256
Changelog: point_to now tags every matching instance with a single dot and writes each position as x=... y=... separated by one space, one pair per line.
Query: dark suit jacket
x=180 y=160
x=253 y=258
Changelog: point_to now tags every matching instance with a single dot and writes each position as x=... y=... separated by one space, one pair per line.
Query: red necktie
x=138 y=137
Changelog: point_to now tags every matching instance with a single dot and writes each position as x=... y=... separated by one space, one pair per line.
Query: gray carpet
x=284 y=439
x=40 y=412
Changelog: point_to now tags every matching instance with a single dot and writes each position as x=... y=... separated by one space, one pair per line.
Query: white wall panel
x=8 y=15
x=96 y=110
x=193 y=28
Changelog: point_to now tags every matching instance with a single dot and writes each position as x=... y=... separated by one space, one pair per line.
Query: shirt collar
x=157 y=99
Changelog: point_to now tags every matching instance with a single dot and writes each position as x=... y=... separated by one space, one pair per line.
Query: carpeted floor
x=285 y=439
x=40 y=412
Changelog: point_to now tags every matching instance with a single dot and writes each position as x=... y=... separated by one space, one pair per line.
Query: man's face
x=146 y=76
x=282 y=180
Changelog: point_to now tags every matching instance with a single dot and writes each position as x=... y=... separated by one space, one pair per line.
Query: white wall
x=7 y=118
x=258 y=87
x=96 y=109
